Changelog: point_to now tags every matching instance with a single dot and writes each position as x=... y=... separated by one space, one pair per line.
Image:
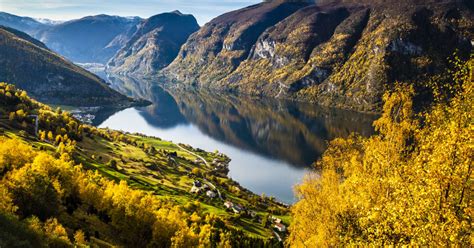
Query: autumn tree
x=410 y=184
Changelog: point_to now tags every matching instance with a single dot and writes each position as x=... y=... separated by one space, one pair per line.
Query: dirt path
x=207 y=164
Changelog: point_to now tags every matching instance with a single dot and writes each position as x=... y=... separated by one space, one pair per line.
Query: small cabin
x=195 y=190
x=228 y=204
x=276 y=220
x=280 y=227
x=211 y=194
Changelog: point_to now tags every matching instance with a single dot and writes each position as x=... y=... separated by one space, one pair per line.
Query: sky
x=203 y=10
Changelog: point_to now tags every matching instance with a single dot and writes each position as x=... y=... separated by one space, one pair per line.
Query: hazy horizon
x=61 y=10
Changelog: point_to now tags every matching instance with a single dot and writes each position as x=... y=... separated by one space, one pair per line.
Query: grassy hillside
x=74 y=183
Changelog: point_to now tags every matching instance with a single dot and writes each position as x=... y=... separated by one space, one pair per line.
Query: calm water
x=271 y=143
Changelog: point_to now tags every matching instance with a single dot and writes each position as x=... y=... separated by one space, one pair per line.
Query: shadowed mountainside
x=47 y=77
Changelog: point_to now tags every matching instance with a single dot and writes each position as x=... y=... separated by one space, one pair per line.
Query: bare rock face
x=154 y=45
x=222 y=44
x=338 y=53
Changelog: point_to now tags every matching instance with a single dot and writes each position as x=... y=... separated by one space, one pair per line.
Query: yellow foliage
x=14 y=154
x=411 y=184
x=79 y=238
x=55 y=230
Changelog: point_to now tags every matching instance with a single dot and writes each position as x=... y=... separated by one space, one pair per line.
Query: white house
x=195 y=189
x=228 y=204
x=280 y=227
x=211 y=194
x=276 y=220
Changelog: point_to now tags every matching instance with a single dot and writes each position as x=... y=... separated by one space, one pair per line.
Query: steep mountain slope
x=337 y=53
x=24 y=36
x=155 y=44
x=48 y=77
x=90 y=39
x=223 y=43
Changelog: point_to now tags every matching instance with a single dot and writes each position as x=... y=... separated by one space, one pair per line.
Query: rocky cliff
x=337 y=53
x=154 y=45
x=221 y=45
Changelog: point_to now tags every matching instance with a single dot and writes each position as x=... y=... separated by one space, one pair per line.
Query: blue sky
x=203 y=10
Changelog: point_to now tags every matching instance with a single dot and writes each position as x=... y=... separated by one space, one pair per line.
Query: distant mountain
x=154 y=45
x=92 y=39
x=24 y=24
x=48 y=77
x=342 y=53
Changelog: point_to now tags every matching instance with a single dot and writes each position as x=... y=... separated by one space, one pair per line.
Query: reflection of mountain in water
x=103 y=114
x=294 y=132
x=163 y=113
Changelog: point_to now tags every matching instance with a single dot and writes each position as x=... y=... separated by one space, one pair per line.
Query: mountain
x=155 y=44
x=92 y=39
x=48 y=77
x=24 y=24
x=337 y=53
x=222 y=44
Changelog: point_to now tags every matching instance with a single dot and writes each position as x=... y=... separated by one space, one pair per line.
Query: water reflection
x=270 y=141
x=291 y=131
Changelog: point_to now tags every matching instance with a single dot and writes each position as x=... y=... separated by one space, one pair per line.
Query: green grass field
x=168 y=173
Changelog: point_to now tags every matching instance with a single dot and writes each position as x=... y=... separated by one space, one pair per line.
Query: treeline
x=410 y=184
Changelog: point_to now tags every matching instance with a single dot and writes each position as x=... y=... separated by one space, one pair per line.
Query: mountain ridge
x=49 y=77
x=154 y=44
x=91 y=38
